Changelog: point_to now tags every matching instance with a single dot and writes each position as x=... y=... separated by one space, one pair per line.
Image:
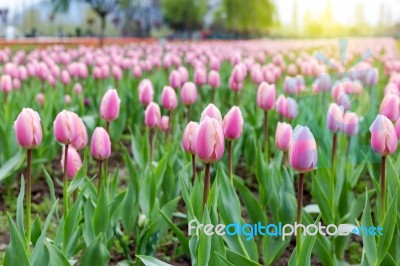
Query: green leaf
x=150 y=261
x=50 y=184
x=238 y=259
x=179 y=234
x=306 y=248
x=101 y=215
x=368 y=241
x=204 y=248
x=389 y=224
x=15 y=253
x=96 y=254
x=36 y=230
x=11 y=165
x=56 y=257
x=20 y=209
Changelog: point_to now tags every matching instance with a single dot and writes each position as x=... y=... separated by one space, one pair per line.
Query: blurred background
x=198 y=19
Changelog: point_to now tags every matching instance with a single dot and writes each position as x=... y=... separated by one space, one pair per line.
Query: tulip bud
x=303 y=154
x=6 y=83
x=233 y=123
x=81 y=137
x=168 y=98
x=109 y=106
x=77 y=88
x=189 y=93
x=390 y=107
x=350 y=124
x=371 y=77
x=164 y=124
x=137 y=71
x=398 y=128
x=291 y=110
x=64 y=127
x=188 y=137
x=184 y=74
x=65 y=78
x=146 y=92
x=175 y=79
x=116 y=72
x=209 y=140
x=100 y=146
x=74 y=162
x=266 y=96
x=335 y=117
x=283 y=135
x=281 y=104
x=67 y=99
x=213 y=79
x=211 y=111
x=40 y=99
x=200 y=76
x=383 y=136
x=152 y=115
x=28 y=129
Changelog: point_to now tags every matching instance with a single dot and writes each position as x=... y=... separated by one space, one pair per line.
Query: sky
x=343 y=10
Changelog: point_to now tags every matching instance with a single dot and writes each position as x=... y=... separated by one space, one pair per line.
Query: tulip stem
x=236 y=98
x=266 y=135
x=299 y=212
x=100 y=182
x=65 y=182
x=108 y=127
x=213 y=94
x=28 y=198
x=151 y=135
x=285 y=158
x=206 y=184
x=383 y=187
x=188 y=113
x=333 y=184
x=193 y=167
x=348 y=147
x=230 y=160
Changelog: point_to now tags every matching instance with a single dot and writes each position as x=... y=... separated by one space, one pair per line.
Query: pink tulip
x=28 y=129
x=184 y=74
x=209 y=140
x=164 y=124
x=152 y=115
x=233 y=123
x=100 y=146
x=238 y=74
x=6 y=83
x=40 y=99
x=344 y=101
x=67 y=99
x=283 y=135
x=81 y=137
x=137 y=71
x=77 y=89
x=16 y=84
x=214 y=63
x=189 y=93
x=213 y=79
x=211 y=111
x=334 y=118
x=266 y=96
x=371 y=77
x=65 y=78
x=383 y=136
x=169 y=99
x=146 y=92
x=188 y=137
x=65 y=127
x=200 y=76
x=291 y=110
x=281 y=103
x=235 y=86
x=350 y=124
x=175 y=79
x=398 y=128
x=303 y=154
x=74 y=162
x=390 y=107
x=110 y=105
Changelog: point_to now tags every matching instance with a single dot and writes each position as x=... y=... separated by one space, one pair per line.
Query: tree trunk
x=102 y=30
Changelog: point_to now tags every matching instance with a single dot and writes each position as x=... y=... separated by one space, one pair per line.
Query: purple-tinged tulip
x=291 y=110
x=28 y=130
x=383 y=136
x=110 y=105
x=169 y=99
x=175 y=79
x=334 y=117
x=164 y=124
x=281 y=103
x=303 y=155
x=350 y=124
x=372 y=77
x=188 y=137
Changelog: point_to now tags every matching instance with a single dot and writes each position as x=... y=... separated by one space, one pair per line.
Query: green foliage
x=184 y=14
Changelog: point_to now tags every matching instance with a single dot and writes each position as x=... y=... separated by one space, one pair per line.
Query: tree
x=249 y=16
x=184 y=14
x=101 y=7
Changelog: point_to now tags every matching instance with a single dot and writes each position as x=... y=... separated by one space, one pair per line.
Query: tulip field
x=257 y=152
